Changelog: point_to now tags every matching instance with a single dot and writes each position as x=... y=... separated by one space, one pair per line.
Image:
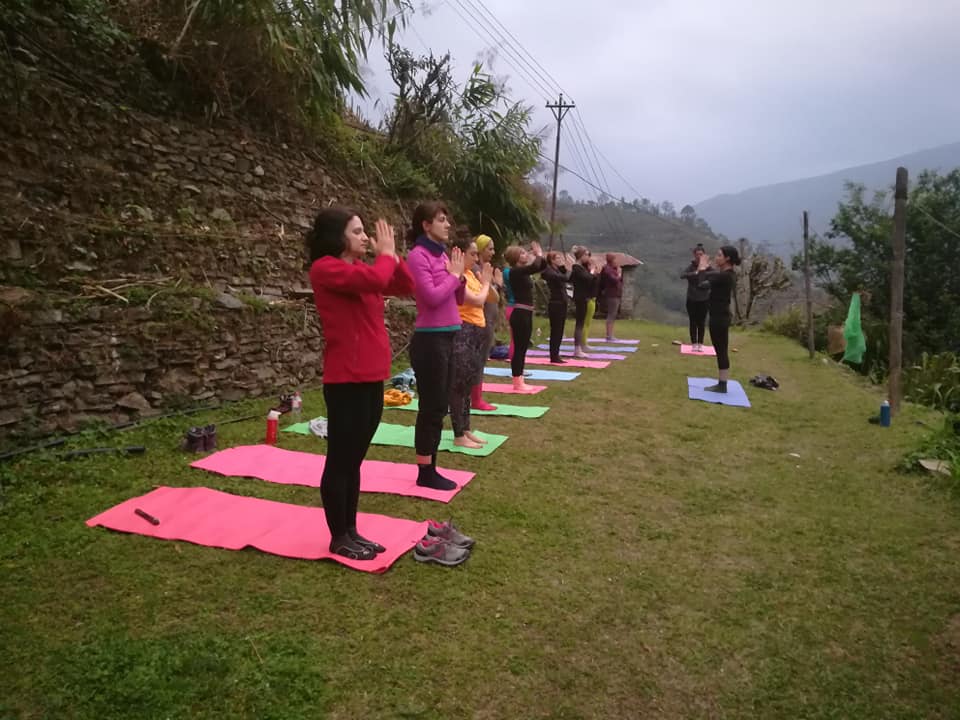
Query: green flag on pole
x=853 y=333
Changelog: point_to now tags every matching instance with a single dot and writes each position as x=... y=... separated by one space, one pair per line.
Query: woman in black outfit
x=523 y=264
x=556 y=277
x=721 y=283
x=697 y=299
x=585 y=283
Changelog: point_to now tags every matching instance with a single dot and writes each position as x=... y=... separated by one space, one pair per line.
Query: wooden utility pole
x=896 y=289
x=806 y=281
x=559 y=110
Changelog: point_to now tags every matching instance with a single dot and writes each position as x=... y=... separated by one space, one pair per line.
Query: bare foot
x=470 y=436
x=466 y=442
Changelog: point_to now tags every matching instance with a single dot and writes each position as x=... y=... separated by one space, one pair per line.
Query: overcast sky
x=691 y=98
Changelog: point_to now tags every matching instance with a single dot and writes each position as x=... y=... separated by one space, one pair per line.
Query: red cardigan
x=349 y=299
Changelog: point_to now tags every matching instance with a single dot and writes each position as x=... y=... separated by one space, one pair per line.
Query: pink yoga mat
x=507 y=389
x=217 y=519
x=289 y=467
x=598 y=364
x=590 y=356
x=604 y=341
x=708 y=351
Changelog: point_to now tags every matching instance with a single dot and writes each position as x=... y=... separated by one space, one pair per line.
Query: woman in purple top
x=439 y=290
x=611 y=290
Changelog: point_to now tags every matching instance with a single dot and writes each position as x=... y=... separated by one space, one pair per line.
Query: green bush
x=934 y=381
x=944 y=445
x=789 y=323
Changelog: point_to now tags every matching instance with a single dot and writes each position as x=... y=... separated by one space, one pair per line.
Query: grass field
x=638 y=555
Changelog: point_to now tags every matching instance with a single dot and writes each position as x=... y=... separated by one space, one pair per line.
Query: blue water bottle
x=885 y=414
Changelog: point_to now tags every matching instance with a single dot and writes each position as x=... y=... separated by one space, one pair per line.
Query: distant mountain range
x=770 y=215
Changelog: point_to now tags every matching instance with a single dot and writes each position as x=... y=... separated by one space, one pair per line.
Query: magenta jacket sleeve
x=434 y=285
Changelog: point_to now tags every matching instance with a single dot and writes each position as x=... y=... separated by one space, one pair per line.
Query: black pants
x=353 y=414
x=697 y=310
x=720 y=336
x=521 y=323
x=557 y=312
x=431 y=357
x=580 y=319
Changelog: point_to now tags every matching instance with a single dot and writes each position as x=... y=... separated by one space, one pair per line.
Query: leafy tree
x=759 y=275
x=859 y=258
x=688 y=214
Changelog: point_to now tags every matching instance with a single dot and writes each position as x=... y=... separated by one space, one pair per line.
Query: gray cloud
x=690 y=99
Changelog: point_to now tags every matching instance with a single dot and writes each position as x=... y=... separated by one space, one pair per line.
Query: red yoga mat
x=507 y=389
x=289 y=467
x=217 y=519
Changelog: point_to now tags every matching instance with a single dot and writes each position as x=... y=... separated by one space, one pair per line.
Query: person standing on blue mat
x=440 y=288
x=523 y=264
x=556 y=275
x=721 y=283
x=697 y=299
x=349 y=296
x=585 y=283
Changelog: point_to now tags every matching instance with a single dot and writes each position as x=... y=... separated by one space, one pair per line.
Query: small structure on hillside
x=629 y=264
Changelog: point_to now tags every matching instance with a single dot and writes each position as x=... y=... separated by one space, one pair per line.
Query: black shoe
x=193 y=440
x=363 y=542
x=285 y=405
x=209 y=438
x=720 y=387
x=557 y=361
x=346 y=547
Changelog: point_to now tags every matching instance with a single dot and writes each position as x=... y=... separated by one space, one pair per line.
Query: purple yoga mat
x=735 y=395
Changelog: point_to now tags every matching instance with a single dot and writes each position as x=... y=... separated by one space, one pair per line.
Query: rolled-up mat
x=707 y=351
x=568 y=354
x=594 y=348
x=533 y=374
x=521 y=411
x=735 y=395
x=507 y=389
x=289 y=467
x=217 y=519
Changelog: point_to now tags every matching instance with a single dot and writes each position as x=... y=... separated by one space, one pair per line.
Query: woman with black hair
x=556 y=275
x=697 y=298
x=440 y=288
x=586 y=282
x=349 y=296
x=721 y=283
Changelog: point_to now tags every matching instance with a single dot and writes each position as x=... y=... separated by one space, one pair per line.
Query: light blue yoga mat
x=735 y=395
x=533 y=374
x=595 y=348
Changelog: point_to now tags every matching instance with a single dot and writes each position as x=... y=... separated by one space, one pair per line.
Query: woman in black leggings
x=721 y=283
x=356 y=358
x=556 y=276
x=697 y=299
x=585 y=280
x=523 y=265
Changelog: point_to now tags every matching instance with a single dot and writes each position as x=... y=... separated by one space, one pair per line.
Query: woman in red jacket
x=356 y=357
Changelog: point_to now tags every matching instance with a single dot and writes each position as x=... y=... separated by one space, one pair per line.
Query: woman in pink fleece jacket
x=440 y=288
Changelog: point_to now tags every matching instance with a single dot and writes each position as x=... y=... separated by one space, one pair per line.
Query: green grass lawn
x=638 y=555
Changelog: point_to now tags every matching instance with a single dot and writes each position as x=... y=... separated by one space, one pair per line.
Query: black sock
x=429 y=477
x=346 y=546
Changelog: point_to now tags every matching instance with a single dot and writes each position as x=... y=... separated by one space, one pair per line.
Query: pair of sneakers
x=201 y=439
x=443 y=544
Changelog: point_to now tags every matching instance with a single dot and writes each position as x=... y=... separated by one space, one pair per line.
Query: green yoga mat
x=523 y=411
x=402 y=436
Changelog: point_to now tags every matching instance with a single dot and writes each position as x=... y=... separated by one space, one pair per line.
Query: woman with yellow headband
x=491 y=313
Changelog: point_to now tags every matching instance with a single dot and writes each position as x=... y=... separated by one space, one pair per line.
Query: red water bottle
x=273 y=426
